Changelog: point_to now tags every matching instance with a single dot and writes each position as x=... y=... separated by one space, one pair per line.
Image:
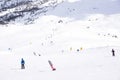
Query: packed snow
x=77 y=37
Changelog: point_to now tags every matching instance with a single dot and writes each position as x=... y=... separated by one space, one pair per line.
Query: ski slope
x=90 y=64
x=73 y=25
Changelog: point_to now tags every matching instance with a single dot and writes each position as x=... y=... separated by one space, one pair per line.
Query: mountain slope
x=78 y=42
x=27 y=11
x=20 y=10
x=52 y=34
x=96 y=63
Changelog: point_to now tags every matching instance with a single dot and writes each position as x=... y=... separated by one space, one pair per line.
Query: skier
x=22 y=64
x=113 y=52
x=51 y=65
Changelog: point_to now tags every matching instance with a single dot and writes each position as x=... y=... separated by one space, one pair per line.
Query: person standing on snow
x=113 y=52
x=22 y=64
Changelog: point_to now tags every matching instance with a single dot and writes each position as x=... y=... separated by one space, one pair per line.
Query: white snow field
x=90 y=64
x=77 y=36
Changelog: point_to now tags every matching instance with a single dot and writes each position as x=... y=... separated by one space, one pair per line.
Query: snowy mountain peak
x=23 y=10
x=26 y=11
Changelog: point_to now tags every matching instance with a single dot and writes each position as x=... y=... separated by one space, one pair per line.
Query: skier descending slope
x=22 y=64
x=113 y=52
x=51 y=65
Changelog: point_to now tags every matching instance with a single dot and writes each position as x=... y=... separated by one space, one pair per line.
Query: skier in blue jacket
x=22 y=64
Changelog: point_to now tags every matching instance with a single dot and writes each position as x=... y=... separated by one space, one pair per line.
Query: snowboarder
x=51 y=65
x=113 y=52
x=22 y=64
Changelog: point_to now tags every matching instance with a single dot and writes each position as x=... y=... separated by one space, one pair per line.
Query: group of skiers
x=50 y=63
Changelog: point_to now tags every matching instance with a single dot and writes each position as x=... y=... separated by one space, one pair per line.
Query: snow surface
x=57 y=36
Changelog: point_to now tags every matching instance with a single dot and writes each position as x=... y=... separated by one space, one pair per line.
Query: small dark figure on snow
x=34 y=53
x=78 y=50
x=113 y=52
x=22 y=64
x=51 y=65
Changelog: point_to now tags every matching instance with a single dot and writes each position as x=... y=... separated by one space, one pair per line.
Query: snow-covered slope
x=60 y=29
x=48 y=36
x=91 y=64
x=79 y=9
x=76 y=35
x=26 y=11
x=23 y=11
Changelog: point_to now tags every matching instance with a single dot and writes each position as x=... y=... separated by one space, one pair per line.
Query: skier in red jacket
x=51 y=65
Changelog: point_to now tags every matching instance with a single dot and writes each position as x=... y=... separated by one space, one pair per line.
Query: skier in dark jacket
x=113 y=52
x=22 y=64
